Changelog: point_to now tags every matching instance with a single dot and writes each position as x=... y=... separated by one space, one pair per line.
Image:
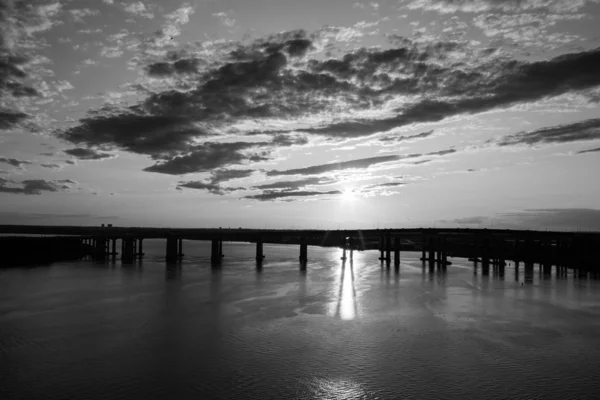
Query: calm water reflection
x=335 y=330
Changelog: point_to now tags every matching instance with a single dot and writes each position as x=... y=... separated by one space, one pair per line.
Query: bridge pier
x=259 y=250
x=216 y=251
x=100 y=248
x=397 y=252
x=381 y=248
x=174 y=249
x=128 y=250
x=431 y=246
x=388 y=248
x=303 y=251
x=113 y=252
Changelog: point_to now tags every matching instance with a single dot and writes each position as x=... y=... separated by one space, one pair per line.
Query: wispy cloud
x=35 y=186
x=290 y=195
x=566 y=133
x=15 y=162
x=138 y=9
x=87 y=154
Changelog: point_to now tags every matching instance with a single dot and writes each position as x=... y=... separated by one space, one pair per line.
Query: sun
x=348 y=195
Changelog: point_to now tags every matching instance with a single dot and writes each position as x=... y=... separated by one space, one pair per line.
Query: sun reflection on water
x=345 y=307
x=333 y=389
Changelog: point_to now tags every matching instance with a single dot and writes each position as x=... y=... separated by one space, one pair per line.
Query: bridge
x=563 y=250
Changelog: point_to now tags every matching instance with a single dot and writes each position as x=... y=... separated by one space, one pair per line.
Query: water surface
x=338 y=330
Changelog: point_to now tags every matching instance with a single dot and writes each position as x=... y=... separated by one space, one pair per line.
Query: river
x=337 y=330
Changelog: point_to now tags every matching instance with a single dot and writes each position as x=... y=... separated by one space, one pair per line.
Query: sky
x=324 y=114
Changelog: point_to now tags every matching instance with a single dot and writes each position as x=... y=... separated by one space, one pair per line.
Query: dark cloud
x=52 y=166
x=136 y=131
x=441 y=152
x=504 y=83
x=182 y=66
x=71 y=162
x=275 y=78
x=48 y=154
x=475 y=6
x=406 y=138
x=294 y=185
x=274 y=195
x=11 y=118
x=12 y=76
x=209 y=156
x=211 y=187
x=223 y=175
x=87 y=154
x=421 y=162
x=359 y=163
x=14 y=162
x=585 y=130
x=35 y=186
x=589 y=151
x=280 y=140
x=389 y=184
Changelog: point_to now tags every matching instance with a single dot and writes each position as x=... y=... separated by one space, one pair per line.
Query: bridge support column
x=397 y=252
x=173 y=248
x=303 y=251
x=259 y=250
x=431 y=245
x=388 y=248
x=423 y=248
x=113 y=251
x=381 y=248
x=216 y=251
x=139 y=248
x=100 y=249
x=128 y=254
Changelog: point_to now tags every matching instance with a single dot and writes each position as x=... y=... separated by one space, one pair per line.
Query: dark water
x=336 y=331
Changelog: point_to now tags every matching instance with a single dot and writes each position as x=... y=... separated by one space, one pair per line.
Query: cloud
x=10 y=119
x=225 y=19
x=208 y=156
x=584 y=130
x=138 y=132
x=81 y=13
x=441 y=152
x=276 y=86
x=294 y=185
x=384 y=185
x=504 y=84
x=476 y=6
x=223 y=175
x=21 y=66
x=218 y=177
x=323 y=168
x=274 y=195
x=589 y=151
x=211 y=187
x=280 y=140
x=52 y=166
x=390 y=138
x=14 y=162
x=163 y=69
x=87 y=154
x=35 y=186
x=139 y=9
